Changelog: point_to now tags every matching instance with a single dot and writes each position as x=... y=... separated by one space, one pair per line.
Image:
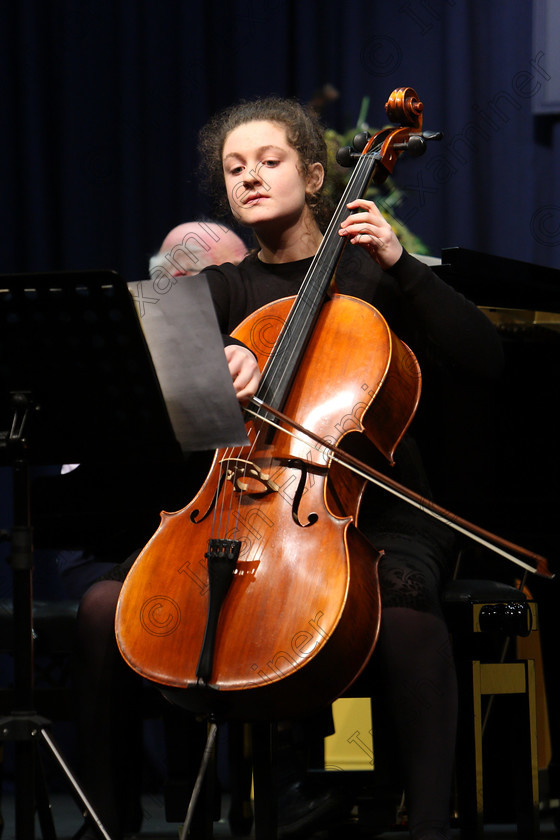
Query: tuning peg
x=361 y=140
x=432 y=135
x=415 y=145
x=346 y=156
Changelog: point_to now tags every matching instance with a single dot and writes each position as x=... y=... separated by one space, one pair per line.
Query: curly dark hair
x=303 y=132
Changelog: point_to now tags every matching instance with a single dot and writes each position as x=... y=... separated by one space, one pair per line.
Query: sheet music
x=186 y=346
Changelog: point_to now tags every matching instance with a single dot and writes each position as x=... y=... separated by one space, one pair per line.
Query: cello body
x=301 y=614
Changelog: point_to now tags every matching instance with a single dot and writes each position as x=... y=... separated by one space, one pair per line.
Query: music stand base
x=27 y=731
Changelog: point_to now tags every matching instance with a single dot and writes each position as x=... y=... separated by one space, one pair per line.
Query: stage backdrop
x=102 y=101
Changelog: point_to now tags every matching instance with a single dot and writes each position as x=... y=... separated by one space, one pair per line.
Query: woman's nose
x=252 y=175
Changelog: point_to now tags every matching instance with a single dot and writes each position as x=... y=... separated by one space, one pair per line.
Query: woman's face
x=264 y=177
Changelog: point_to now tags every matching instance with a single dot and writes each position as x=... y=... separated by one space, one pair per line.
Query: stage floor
x=67 y=820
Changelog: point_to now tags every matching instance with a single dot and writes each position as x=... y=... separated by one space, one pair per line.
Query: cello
x=260 y=598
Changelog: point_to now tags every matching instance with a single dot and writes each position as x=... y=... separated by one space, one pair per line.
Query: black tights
x=418 y=705
x=109 y=716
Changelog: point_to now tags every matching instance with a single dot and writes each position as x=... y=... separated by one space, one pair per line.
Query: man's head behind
x=192 y=246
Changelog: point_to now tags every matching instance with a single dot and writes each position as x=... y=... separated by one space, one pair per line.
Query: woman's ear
x=315 y=178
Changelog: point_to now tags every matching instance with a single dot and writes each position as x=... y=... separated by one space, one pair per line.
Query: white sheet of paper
x=186 y=346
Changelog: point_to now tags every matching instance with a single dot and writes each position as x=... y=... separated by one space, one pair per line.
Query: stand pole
x=24 y=726
x=22 y=564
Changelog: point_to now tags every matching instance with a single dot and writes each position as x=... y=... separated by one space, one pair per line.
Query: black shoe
x=304 y=809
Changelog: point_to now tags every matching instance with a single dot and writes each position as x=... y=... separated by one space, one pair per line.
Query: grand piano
x=504 y=446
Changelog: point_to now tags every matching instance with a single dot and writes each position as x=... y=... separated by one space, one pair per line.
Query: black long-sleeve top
x=439 y=324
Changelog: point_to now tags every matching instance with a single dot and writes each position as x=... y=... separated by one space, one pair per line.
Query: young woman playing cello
x=271 y=157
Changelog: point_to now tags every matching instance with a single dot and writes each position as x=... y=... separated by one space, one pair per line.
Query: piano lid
x=500 y=282
x=522 y=318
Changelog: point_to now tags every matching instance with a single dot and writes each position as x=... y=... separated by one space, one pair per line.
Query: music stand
x=77 y=384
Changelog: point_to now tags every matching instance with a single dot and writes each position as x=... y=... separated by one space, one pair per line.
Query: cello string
x=225 y=512
x=241 y=492
x=220 y=484
x=299 y=322
x=280 y=368
x=313 y=290
x=221 y=523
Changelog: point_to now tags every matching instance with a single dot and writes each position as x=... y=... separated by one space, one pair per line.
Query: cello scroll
x=403 y=107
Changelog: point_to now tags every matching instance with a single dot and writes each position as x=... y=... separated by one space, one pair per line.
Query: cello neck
x=291 y=344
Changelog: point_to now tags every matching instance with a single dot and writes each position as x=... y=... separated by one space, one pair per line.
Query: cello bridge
x=247 y=476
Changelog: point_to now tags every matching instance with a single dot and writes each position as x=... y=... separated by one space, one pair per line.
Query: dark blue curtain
x=102 y=101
